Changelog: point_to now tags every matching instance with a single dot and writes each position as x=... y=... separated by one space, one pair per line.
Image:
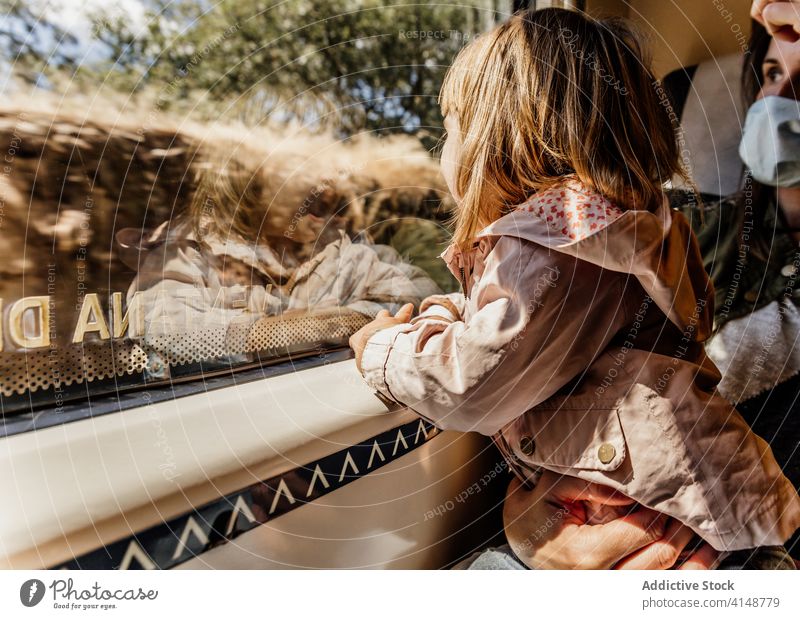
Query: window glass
x=137 y=255
x=191 y=188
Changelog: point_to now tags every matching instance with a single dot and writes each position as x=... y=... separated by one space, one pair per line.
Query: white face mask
x=770 y=145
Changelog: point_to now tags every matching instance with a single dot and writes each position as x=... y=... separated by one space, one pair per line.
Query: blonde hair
x=552 y=95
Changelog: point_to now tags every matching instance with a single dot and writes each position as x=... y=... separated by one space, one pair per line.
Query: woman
x=750 y=246
x=750 y=243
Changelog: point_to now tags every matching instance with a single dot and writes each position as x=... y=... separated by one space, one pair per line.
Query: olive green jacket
x=745 y=279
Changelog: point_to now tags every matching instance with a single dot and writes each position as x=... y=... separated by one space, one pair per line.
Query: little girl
x=578 y=340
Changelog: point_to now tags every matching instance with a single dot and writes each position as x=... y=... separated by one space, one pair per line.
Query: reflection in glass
x=134 y=254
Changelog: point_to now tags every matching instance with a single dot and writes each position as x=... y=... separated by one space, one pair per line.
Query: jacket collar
x=658 y=248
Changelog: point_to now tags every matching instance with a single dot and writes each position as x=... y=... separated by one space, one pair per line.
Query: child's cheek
x=449 y=163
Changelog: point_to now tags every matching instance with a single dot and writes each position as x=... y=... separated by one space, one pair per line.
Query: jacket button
x=606 y=453
x=751 y=296
x=526 y=445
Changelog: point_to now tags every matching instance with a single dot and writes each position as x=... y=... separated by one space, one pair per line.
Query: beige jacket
x=578 y=345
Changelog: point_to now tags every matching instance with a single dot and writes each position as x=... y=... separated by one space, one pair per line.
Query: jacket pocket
x=568 y=437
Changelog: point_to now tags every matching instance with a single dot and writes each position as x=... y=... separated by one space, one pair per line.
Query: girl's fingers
x=382 y=314
x=661 y=554
x=404 y=313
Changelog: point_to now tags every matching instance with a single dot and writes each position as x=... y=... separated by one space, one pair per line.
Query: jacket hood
x=658 y=248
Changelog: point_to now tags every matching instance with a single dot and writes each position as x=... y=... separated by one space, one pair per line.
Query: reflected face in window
x=780 y=70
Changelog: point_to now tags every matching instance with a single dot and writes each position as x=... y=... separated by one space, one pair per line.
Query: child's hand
x=384 y=320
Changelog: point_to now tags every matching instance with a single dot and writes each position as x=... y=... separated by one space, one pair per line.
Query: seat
x=707 y=98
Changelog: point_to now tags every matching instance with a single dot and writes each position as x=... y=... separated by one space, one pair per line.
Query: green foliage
x=372 y=65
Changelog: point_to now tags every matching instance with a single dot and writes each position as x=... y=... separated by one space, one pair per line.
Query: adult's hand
x=781 y=18
x=547 y=529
